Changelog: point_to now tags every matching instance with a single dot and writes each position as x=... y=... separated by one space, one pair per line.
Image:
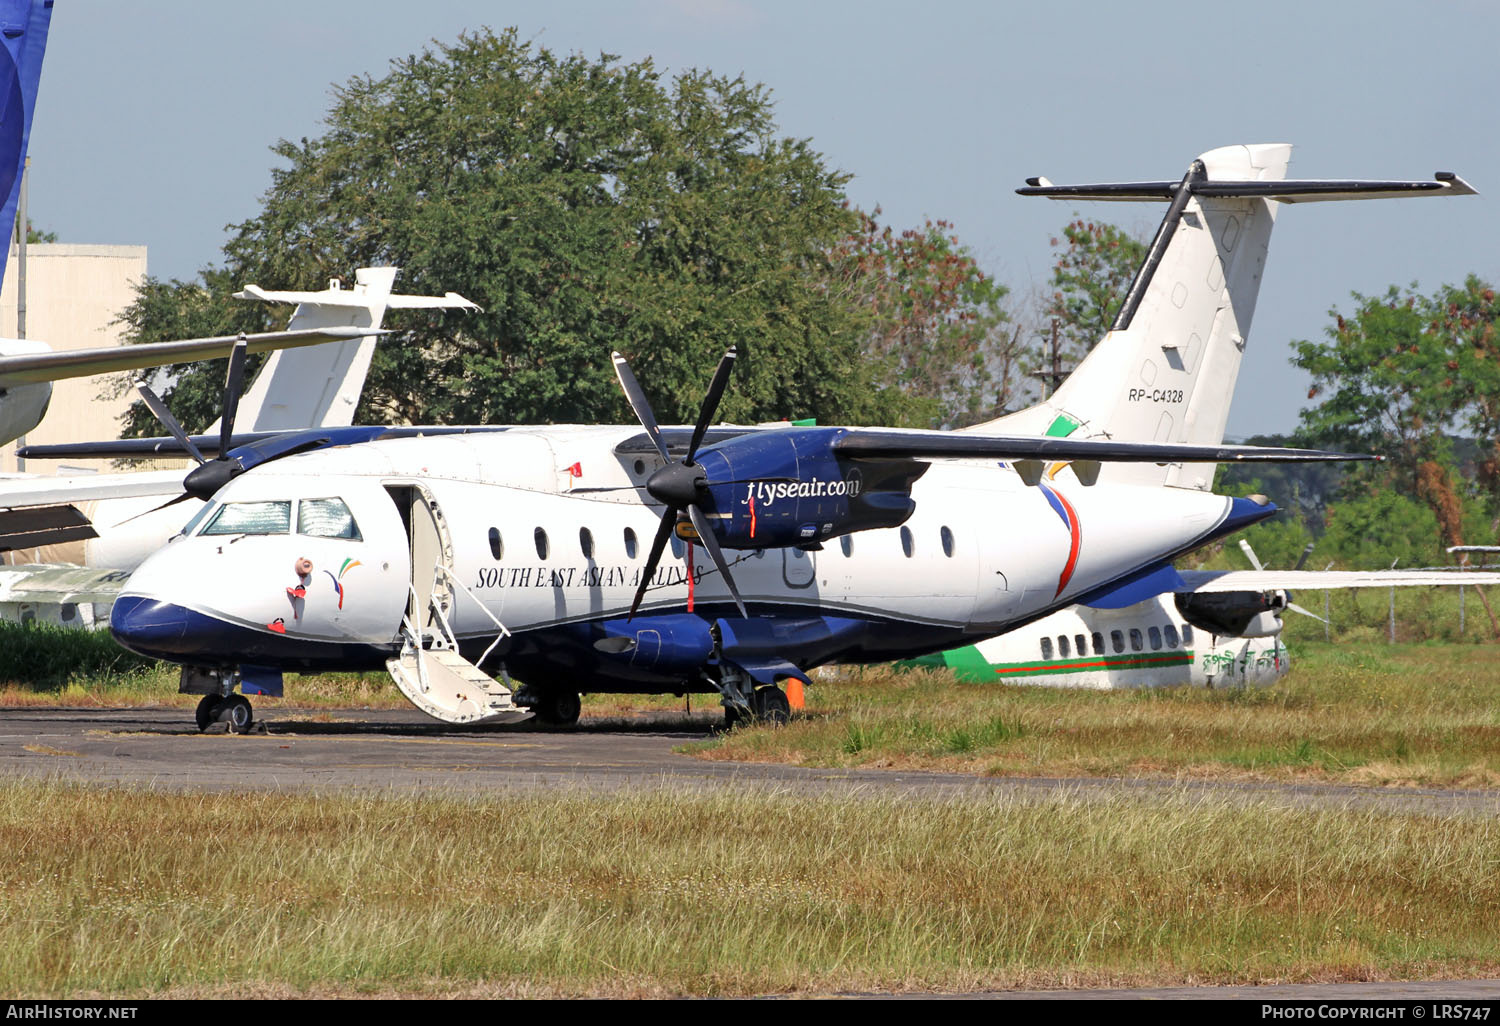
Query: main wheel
x=207 y=713
x=769 y=705
x=235 y=713
x=559 y=708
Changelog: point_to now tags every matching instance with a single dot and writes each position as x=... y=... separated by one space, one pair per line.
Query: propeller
x=1255 y=562
x=209 y=475
x=679 y=485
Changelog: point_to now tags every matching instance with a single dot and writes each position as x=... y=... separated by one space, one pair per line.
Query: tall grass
x=127 y=892
x=1353 y=713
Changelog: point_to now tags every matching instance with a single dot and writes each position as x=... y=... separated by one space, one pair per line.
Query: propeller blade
x=1303 y=558
x=156 y=406
x=636 y=396
x=169 y=502
x=1298 y=609
x=1250 y=554
x=668 y=522
x=234 y=382
x=711 y=402
x=706 y=536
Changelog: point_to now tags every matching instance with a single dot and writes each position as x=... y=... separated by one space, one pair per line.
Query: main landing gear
x=553 y=707
x=231 y=710
x=765 y=704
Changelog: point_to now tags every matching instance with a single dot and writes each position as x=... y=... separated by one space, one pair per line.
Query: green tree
x=1397 y=377
x=935 y=326
x=585 y=204
x=1094 y=269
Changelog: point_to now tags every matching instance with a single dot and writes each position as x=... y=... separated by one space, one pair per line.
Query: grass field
x=1364 y=712
x=138 y=893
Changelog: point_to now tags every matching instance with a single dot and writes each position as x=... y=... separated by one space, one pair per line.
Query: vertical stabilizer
x=1166 y=369
x=320 y=386
x=23 y=33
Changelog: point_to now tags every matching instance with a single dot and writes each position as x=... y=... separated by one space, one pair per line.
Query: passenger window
x=629 y=543
x=1187 y=635
x=1082 y=646
x=497 y=547
x=847 y=544
x=586 y=542
x=541 y=543
x=1171 y=636
x=252 y=518
x=906 y=541
x=1117 y=640
x=1137 y=643
x=1046 y=648
x=1155 y=635
x=1062 y=646
x=947 y=537
x=326 y=518
x=1098 y=640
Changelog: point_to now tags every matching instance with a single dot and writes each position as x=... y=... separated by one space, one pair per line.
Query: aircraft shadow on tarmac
x=689 y=727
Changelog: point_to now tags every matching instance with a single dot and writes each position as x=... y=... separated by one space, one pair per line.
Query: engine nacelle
x=1234 y=614
x=787 y=488
x=675 y=643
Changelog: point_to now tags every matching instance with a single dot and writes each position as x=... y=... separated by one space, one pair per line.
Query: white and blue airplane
x=455 y=556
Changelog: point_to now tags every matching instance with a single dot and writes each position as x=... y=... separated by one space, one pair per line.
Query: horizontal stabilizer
x=1307 y=190
x=359 y=299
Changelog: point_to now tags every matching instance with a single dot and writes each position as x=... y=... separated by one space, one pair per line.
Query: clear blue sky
x=154 y=119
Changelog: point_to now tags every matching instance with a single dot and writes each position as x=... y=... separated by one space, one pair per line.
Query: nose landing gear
x=233 y=711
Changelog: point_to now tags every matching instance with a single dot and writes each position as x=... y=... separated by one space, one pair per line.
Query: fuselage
x=312 y=562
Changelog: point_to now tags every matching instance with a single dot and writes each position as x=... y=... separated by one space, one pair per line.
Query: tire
x=235 y=713
x=559 y=708
x=207 y=713
x=769 y=705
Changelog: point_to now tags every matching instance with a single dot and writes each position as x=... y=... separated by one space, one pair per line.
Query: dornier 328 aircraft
x=541 y=552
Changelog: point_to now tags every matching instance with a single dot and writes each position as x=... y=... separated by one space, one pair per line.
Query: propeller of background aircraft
x=1255 y=562
x=679 y=485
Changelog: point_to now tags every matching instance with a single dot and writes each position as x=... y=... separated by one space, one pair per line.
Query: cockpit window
x=198 y=518
x=326 y=518
x=251 y=518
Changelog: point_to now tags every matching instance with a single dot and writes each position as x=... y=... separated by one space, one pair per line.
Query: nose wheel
x=234 y=711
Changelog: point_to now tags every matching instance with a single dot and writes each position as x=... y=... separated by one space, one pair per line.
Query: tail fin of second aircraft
x=23 y=41
x=1166 y=369
x=320 y=386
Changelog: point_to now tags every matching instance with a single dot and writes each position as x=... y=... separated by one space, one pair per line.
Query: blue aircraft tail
x=23 y=33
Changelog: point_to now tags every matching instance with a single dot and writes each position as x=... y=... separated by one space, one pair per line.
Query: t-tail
x=320 y=386
x=1166 y=369
x=23 y=31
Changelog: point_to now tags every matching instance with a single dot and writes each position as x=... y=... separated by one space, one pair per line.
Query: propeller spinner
x=679 y=485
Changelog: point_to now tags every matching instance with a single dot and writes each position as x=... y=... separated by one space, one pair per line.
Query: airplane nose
x=148 y=626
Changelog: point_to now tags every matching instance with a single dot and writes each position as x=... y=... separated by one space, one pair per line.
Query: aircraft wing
x=33 y=368
x=1205 y=581
x=22 y=492
x=877 y=443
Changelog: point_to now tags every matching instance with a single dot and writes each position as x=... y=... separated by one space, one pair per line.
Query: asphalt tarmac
x=402 y=752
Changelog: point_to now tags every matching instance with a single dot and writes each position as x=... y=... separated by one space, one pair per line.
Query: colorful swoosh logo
x=1069 y=516
x=348 y=564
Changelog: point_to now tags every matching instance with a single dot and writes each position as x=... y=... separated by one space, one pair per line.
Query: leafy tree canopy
x=585 y=204
x=1095 y=264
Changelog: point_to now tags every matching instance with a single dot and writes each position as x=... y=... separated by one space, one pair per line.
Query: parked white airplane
x=307 y=388
x=522 y=547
